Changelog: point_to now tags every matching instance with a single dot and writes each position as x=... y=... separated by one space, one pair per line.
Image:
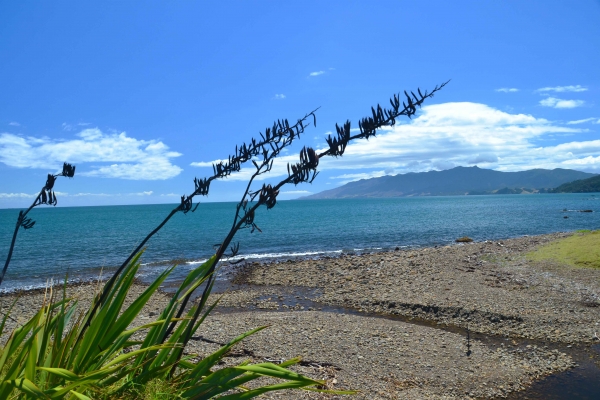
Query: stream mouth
x=579 y=383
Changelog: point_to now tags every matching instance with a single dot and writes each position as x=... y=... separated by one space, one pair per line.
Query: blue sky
x=141 y=96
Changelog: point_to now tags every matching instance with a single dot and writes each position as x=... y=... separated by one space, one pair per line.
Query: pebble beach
x=473 y=320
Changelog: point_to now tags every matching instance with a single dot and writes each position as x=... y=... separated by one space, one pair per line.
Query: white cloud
x=452 y=134
x=561 y=89
x=296 y=192
x=463 y=134
x=206 y=163
x=14 y=124
x=507 y=90
x=279 y=96
x=589 y=160
x=129 y=158
x=583 y=121
x=560 y=103
x=316 y=73
x=17 y=195
x=345 y=178
x=148 y=193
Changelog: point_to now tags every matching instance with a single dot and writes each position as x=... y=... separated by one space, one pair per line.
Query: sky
x=143 y=96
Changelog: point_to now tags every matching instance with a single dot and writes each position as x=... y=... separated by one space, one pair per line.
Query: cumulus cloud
x=507 y=90
x=589 y=160
x=279 y=96
x=561 y=89
x=14 y=123
x=316 y=73
x=450 y=134
x=110 y=155
x=560 y=103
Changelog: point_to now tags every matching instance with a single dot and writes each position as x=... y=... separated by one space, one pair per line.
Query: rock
x=464 y=239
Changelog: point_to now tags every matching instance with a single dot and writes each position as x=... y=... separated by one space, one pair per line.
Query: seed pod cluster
x=50 y=182
x=25 y=222
x=305 y=170
x=337 y=145
x=202 y=186
x=268 y=196
x=261 y=152
x=68 y=170
x=186 y=204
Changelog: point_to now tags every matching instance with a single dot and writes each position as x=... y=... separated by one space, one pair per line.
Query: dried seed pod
x=50 y=182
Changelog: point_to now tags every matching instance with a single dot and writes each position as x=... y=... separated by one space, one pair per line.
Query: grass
x=580 y=250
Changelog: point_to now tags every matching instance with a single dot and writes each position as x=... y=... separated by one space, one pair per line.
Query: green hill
x=581 y=186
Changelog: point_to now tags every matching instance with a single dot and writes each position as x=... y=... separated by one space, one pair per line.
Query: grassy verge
x=580 y=250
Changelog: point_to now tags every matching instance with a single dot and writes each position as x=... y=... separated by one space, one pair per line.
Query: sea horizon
x=85 y=240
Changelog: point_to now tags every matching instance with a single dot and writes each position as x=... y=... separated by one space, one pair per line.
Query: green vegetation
x=64 y=352
x=54 y=355
x=580 y=250
x=590 y=185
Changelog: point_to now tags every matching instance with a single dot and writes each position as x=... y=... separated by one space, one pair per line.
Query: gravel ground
x=489 y=285
x=352 y=319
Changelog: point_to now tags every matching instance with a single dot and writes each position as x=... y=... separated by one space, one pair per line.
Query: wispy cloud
x=560 y=103
x=16 y=195
x=14 y=123
x=279 y=96
x=583 y=121
x=71 y=127
x=561 y=89
x=507 y=90
x=137 y=194
x=316 y=73
x=112 y=155
x=296 y=192
x=345 y=178
x=206 y=163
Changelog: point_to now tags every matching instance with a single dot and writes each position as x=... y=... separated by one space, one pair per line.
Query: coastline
x=395 y=323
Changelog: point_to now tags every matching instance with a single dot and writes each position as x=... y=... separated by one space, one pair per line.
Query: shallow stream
x=579 y=383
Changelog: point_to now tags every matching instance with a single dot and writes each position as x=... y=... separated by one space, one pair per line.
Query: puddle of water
x=581 y=383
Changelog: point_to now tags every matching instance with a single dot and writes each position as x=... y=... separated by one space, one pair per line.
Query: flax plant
x=46 y=196
x=60 y=353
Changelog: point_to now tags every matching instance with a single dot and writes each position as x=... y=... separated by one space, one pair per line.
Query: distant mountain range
x=455 y=181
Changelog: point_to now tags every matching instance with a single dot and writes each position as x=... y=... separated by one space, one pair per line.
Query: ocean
x=88 y=241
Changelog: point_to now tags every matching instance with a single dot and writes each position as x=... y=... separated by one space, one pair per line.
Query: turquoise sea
x=84 y=241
